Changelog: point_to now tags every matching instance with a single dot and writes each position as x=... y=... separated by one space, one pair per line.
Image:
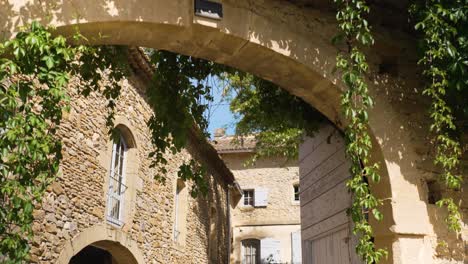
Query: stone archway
x=289 y=46
x=102 y=240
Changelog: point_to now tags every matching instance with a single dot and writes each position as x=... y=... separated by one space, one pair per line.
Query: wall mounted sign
x=209 y=9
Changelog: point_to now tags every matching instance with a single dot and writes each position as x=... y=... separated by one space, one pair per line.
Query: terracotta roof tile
x=229 y=144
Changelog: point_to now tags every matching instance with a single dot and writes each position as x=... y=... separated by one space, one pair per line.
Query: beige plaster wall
x=324 y=170
x=73 y=210
x=278 y=177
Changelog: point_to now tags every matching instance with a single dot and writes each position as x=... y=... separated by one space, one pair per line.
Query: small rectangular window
x=249 y=197
x=296 y=192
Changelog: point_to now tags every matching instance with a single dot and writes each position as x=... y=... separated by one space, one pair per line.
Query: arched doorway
x=104 y=252
x=101 y=244
x=93 y=255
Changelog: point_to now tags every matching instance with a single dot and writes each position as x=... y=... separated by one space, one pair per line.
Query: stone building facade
x=156 y=223
x=266 y=222
x=288 y=43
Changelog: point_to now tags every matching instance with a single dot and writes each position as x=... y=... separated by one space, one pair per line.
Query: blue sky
x=220 y=115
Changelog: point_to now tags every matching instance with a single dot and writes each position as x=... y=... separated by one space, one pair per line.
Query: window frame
x=251 y=243
x=296 y=198
x=120 y=180
x=250 y=197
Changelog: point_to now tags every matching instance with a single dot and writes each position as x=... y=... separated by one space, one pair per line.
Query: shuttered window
x=257 y=197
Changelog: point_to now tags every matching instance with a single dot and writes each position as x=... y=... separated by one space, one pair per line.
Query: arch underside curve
x=116 y=242
x=293 y=51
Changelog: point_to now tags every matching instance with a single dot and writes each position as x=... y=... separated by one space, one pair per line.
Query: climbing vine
x=35 y=68
x=444 y=28
x=176 y=94
x=355 y=102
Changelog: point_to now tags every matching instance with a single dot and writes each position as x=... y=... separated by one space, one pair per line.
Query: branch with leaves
x=355 y=102
x=444 y=28
x=277 y=119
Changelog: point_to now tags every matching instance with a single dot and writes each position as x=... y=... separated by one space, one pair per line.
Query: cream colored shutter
x=270 y=250
x=261 y=197
x=296 y=251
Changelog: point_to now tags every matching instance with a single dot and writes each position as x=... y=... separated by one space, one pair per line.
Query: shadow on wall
x=214 y=227
x=296 y=54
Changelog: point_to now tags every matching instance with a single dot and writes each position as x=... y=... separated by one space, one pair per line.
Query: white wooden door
x=332 y=249
x=324 y=170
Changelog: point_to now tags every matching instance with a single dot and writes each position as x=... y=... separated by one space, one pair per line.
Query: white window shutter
x=270 y=250
x=296 y=250
x=261 y=197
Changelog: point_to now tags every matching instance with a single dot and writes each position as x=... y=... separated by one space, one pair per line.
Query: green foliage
x=444 y=28
x=176 y=95
x=33 y=75
x=355 y=102
x=277 y=119
x=101 y=68
x=35 y=69
x=195 y=172
x=454 y=215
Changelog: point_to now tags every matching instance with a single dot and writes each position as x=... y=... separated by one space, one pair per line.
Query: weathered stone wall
x=278 y=177
x=76 y=201
x=280 y=217
x=291 y=46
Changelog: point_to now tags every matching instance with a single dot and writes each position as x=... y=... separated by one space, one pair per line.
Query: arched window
x=117 y=185
x=251 y=251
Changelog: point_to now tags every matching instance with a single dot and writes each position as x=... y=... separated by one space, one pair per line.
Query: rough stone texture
x=291 y=46
x=280 y=217
x=275 y=175
x=76 y=201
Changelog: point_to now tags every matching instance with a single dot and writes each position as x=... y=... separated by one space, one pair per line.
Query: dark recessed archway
x=104 y=252
x=92 y=255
